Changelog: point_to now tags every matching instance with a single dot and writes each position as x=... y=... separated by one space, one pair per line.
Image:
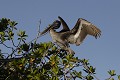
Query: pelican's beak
x=46 y=30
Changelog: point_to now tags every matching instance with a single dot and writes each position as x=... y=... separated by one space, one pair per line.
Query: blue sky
x=103 y=53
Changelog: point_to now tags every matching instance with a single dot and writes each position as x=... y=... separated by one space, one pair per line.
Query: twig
x=8 y=60
x=13 y=43
x=6 y=46
x=87 y=68
x=109 y=78
x=11 y=59
x=38 y=34
x=39 y=27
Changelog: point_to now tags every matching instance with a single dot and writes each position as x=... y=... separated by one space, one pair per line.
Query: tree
x=37 y=60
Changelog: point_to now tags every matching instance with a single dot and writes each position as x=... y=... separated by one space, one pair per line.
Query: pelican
x=76 y=35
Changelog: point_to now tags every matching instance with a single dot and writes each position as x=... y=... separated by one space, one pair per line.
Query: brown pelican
x=74 y=36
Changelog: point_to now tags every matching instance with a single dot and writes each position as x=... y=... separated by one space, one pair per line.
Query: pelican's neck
x=52 y=31
x=54 y=35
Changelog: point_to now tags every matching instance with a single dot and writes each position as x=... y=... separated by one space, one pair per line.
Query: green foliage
x=112 y=72
x=118 y=77
x=6 y=29
x=4 y=24
x=39 y=61
x=22 y=35
x=113 y=75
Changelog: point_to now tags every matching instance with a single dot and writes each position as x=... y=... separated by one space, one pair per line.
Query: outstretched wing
x=91 y=29
x=87 y=28
x=64 y=24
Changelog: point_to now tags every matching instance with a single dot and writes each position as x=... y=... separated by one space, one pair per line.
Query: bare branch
x=38 y=34
x=87 y=68
x=6 y=46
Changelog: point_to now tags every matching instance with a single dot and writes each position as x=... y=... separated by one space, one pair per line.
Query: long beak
x=46 y=30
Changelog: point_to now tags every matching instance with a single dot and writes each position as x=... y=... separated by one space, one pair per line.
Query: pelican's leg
x=70 y=51
x=65 y=46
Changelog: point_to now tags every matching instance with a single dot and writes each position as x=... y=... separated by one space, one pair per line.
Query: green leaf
x=23 y=60
x=54 y=48
x=24 y=47
x=92 y=69
x=69 y=56
x=22 y=34
x=3 y=24
x=111 y=79
x=84 y=61
x=11 y=33
x=3 y=39
x=2 y=33
x=65 y=61
x=118 y=77
x=45 y=45
x=78 y=74
x=12 y=24
x=112 y=72
x=55 y=78
x=29 y=76
x=55 y=69
x=19 y=51
x=89 y=77
x=43 y=70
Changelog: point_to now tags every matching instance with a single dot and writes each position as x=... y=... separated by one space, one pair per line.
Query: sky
x=103 y=53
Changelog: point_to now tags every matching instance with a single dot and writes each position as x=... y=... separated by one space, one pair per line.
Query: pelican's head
x=55 y=25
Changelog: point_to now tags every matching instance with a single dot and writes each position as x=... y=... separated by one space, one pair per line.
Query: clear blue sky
x=103 y=53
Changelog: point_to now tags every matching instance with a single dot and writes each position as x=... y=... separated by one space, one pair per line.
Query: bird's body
x=61 y=40
x=73 y=36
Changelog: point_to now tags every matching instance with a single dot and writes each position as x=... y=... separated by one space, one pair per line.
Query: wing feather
x=76 y=27
x=92 y=30
x=64 y=24
x=81 y=37
x=87 y=29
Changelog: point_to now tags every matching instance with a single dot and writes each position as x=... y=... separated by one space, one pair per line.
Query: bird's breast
x=53 y=35
x=71 y=39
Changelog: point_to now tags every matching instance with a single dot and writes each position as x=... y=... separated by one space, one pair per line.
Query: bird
x=76 y=35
